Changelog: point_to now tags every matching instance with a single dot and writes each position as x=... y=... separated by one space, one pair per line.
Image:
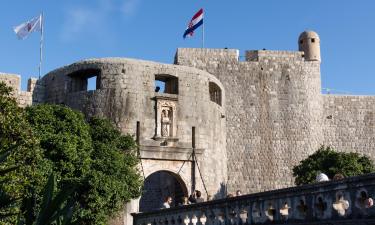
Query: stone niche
x=166 y=120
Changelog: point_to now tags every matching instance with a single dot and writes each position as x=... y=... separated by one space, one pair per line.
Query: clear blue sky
x=152 y=30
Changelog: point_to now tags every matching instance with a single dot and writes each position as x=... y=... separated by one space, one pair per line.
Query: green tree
x=113 y=178
x=330 y=162
x=20 y=156
x=93 y=157
x=20 y=167
x=64 y=139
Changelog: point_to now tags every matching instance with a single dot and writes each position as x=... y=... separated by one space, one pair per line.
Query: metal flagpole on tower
x=203 y=32
x=41 y=43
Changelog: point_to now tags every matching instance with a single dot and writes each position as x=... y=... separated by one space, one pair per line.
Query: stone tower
x=309 y=43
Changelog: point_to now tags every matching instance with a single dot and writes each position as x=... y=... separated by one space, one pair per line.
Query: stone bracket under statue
x=168 y=153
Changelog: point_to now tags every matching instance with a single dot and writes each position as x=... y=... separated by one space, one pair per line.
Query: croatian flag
x=194 y=23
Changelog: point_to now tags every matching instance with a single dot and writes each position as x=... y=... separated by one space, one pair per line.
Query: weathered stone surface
x=24 y=98
x=270 y=113
x=273 y=111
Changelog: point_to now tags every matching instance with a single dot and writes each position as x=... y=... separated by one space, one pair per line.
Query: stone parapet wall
x=197 y=57
x=349 y=123
x=261 y=55
x=12 y=80
x=24 y=98
x=334 y=203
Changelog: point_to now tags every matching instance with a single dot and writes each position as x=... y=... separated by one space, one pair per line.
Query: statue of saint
x=165 y=123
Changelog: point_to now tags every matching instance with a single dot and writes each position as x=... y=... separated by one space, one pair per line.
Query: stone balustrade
x=335 y=202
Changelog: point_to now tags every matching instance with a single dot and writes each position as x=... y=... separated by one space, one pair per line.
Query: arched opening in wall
x=85 y=80
x=165 y=83
x=215 y=93
x=160 y=185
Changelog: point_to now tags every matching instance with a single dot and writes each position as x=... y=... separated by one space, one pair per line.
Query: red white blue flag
x=194 y=23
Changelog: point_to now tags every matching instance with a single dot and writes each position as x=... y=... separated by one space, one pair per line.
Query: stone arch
x=159 y=185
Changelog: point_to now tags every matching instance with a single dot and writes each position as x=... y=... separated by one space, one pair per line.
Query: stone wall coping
x=267 y=195
x=166 y=96
x=97 y=63
x=10 y=74
x=347 y=96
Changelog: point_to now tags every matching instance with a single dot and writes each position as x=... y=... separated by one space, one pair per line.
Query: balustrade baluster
x=186 y=220
x=242 y=218
x=202 y=219
x=194 y=219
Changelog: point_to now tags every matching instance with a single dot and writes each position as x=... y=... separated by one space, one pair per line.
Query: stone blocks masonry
x=254 y=119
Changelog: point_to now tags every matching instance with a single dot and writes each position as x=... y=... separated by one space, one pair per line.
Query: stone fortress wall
x=276 y=114
x=126 y=94
x=24 y=98
x=274 y=108
x=349 y=123
x=269 y=116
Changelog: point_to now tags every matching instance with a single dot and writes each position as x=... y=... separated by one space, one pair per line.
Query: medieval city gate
x=159 y=185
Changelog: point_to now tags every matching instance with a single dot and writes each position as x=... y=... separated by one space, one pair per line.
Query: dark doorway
x=159 y=185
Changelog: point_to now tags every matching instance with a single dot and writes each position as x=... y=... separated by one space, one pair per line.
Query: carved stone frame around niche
x=166 y=118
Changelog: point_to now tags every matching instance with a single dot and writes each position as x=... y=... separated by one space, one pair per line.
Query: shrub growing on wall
x=330 y=162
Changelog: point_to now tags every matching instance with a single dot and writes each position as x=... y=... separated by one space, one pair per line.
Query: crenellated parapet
x=346 y=201
x=34 y=93
x=273 y=56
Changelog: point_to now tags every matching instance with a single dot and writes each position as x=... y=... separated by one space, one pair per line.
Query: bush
x=93 y=156
x=330 y=162
x=20 y=156
x=113 y=177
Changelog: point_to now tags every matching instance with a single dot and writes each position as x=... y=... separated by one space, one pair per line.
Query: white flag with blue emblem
x=24 y=29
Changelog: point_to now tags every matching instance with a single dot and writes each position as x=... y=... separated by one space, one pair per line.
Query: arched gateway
x=159 y=185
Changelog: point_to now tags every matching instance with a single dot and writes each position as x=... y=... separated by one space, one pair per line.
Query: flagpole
x=203 y=34
x=41 y=44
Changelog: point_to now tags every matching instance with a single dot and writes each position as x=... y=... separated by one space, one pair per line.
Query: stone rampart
x=24 y=98
x=349 y=123
x=262 y=55
x=273 y=113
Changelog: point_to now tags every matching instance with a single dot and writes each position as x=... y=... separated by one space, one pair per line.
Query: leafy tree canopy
x=65 y=140
x=20 y=156
x=113 y=177
x=330 y=162
x=92 y=156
